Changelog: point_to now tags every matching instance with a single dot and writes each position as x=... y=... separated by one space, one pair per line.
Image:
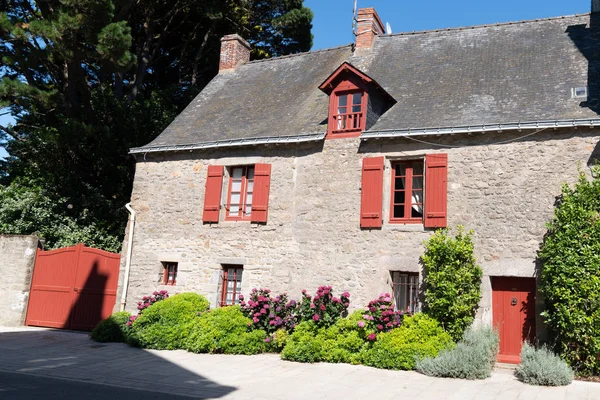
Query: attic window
x=349 y=112
x=579 y=92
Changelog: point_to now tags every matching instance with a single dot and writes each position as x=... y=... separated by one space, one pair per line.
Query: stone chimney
x=595 y=6
x=368 y=26
x=234 y=50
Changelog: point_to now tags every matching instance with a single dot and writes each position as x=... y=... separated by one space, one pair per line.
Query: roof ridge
x=464 y=28
x=298 y=54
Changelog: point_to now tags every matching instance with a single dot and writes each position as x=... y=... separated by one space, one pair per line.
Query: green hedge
x=473 y=358
x=112 y=329
x=570 y=275
x=224 y=330
x=419 y=336
x=452 y=280
x=165 y=324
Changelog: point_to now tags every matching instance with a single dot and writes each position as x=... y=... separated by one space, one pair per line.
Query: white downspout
x=128 y=257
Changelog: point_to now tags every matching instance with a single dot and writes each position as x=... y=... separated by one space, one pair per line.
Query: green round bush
x=339 y=343
x=570 y=275
x=165 y=324
x=419 y=336
x=224 y=330
x=112 y=329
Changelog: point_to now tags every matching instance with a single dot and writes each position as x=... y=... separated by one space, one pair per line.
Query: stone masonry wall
x=502 y=186
x=18 y=259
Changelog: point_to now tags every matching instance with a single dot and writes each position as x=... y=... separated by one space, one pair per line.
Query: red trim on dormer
x=330 y=84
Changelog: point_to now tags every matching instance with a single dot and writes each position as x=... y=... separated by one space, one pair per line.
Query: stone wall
x=18 y=258
x=501 y=185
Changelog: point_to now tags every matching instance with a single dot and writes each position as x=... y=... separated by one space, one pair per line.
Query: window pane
x=399 y=211
x=343 y=100
x=230 y=274
x=341 y=110
x=239 y=275
x=237 y=173
x=357 y=98
x=250 y=186
x=417 y=182
x=355 y=109
x=399 y=183
x=400 y=170
x=416 y=211
x=249 y=199
x=236 y=185
x=250 y=173
x=417 y=168
x=399 y=197
x=228 y=298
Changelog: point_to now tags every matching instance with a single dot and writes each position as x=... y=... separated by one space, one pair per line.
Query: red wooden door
x=73 y=288
x=513 y=308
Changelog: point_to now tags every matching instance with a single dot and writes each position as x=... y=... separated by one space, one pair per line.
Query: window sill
x=401 y=227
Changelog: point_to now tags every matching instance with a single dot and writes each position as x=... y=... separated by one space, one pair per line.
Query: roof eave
x=308 y=137
x=513 y=126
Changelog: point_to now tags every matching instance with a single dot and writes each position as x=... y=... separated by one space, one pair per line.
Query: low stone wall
x=18 y=258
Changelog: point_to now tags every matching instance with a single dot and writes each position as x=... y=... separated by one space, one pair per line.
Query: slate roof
x=491 y=74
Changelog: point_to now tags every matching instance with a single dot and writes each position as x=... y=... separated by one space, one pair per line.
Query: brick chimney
x=234 y=50
x=595 y=6
x=368 y=26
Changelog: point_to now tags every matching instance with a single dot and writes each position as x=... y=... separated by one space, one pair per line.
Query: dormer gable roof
x=348 y=71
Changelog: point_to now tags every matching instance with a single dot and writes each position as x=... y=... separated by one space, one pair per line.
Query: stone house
x=333 y=166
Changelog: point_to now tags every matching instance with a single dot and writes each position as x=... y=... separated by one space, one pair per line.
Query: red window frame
x=169 y=273
x=242 y=215
x=408 y=190
x=411 y=290
x=236 y=290
x=355 y=121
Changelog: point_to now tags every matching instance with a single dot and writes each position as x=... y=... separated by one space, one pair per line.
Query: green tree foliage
x=570 y=276
x=452 y=280
x=88 y=79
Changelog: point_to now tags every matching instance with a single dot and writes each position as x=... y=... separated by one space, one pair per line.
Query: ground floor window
x=169 y=273
x=231 y=286
x=405 y=286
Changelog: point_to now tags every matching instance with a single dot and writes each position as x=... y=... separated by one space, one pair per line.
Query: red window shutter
x=260 y=196
x=436 y=190
x=212 y=196
x=371 y=193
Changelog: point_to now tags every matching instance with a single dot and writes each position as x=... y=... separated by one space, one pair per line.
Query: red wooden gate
x=73 y=288
x=513 y=307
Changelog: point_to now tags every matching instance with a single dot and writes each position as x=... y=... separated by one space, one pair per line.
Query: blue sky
x=332 y=25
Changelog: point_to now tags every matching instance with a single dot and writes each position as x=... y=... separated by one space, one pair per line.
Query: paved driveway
x=73 y=356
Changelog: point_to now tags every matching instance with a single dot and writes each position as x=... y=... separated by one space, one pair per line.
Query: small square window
x=169 y=273
x=405 y=286
x=349 y=114
x=231 y=285
x=579 y=92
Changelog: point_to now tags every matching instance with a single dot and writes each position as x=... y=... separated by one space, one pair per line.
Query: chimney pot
x=234 y=50
x=368 y=26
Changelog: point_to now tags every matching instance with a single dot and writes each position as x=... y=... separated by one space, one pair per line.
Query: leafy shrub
x=324 y=309
x=379 y=316
x=267 y=313
x=112 y=329
x=224 y=330
x=339 y=343
x=472 y=358
x=419 y=336
x=277 y=341
x=542 y=367
x=165 y=324
x=570 y=275
x=452 y=280
x=147 y=301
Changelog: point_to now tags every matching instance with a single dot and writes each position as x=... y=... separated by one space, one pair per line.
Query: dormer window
x=350 y=114
x=355 y=102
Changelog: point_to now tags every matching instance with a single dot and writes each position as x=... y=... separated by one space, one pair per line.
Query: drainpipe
x=128 y=257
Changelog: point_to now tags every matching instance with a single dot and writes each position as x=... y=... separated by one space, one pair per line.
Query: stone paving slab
x=72 y=355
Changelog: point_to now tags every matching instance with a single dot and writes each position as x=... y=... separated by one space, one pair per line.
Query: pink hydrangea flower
x=372 y=337
x=346 y=294
x=315 y=317
x=322 y=307
x=361 y=324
